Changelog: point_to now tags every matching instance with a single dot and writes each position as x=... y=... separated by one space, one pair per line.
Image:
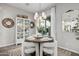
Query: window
x=44 y=26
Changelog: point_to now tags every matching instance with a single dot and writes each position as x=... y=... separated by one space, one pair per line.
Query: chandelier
x=40 y=15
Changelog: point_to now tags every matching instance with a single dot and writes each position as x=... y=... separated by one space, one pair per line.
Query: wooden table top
x=38 y=40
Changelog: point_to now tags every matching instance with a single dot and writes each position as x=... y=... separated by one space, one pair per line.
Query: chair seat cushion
x=49 y=44
x=49 y=51
x=29 y=44
x=30 y=50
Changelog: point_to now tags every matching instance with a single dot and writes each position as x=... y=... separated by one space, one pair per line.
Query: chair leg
x=55 y=50
x=41 y=50
x=22 y=50
x=37 y=49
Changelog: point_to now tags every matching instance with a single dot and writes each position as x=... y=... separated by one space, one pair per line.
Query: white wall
x=65 y=39
x=53 y=31
x=7 y=36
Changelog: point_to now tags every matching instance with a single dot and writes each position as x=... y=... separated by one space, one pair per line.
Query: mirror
x=32 y=24
x=8 y=22
x=70 y=21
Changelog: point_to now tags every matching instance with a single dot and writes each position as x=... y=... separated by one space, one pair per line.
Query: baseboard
x=3 y=45
x=69 y=49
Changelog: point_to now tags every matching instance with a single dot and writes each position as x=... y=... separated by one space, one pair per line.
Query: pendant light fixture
x=43 y=15
x=38 y=15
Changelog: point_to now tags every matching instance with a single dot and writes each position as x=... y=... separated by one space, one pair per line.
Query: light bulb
x=36 y=16
x=40 y=18
x=43 y=15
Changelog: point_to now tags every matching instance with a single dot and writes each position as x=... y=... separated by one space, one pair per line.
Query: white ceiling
x=33 y=7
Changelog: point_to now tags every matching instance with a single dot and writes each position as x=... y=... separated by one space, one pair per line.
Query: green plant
x=43 y=30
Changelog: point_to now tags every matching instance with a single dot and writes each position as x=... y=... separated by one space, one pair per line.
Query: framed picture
x=8 y=22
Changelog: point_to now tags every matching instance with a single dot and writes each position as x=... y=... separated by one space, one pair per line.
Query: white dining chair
x=49 y=48
x=28 y=47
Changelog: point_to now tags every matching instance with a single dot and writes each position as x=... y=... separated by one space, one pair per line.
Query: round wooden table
x=38 y=42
